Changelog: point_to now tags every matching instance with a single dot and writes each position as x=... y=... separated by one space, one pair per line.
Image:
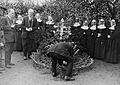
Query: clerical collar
x=39 y=20
x=85 y=27
x=93 y=27
x=112 y=27
x=76 y=24
x=49 y=22
x=101 y=27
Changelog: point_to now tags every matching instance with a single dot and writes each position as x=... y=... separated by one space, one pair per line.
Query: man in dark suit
x=60 y=52
x=29 y=25
x=8 y=26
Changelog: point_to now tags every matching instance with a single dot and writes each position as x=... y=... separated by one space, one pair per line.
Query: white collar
x=76 y=24
x=93 y=27
x=39 y=20
x=85 y=27
x=101 y=27
x=112 y=27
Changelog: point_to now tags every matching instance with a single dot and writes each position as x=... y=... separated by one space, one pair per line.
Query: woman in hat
x=112 y=45
x=18 y=33
x=49 y=26
x=84 y=34
x=92 y=37
x=100 y=40
x=75 y=31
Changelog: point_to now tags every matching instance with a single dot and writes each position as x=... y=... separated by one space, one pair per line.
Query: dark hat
x=2 y=7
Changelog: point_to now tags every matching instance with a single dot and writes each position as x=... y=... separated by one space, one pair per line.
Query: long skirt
x=99 y=48
x=18 y=44
x=112 y=51
x=91 y=45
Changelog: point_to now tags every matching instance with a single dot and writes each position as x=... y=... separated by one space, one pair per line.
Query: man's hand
x=29 y=29
x=99 y=34
x=13 y=25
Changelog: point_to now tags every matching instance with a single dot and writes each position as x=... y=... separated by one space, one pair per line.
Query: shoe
x=2 y=69
x=11 y=64
x=54 y=74
x=7 y=67
x=66 y=78
x=25 y=58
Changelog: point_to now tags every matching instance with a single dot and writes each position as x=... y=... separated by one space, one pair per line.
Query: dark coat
x=26 y=24
x=9 y=33
x=62 y=48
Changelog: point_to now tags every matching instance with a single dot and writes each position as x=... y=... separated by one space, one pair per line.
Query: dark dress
x=75 y=33
x=92 y=34
x=100 y=44
x=39 y=33
x=18 y=44
x=112 y=48
x=49 y=28
x=84 y=38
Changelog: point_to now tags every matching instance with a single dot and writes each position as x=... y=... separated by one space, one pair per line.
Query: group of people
x=99 y=37
x=19 y=33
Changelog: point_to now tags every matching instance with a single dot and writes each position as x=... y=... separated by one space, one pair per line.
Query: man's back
x=62 y=48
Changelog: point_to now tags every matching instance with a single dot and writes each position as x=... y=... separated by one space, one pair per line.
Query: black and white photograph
x=59 y=42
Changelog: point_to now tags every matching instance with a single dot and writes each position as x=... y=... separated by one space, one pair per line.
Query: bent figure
x=60 y=52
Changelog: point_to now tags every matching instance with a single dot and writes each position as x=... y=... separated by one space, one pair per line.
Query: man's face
x=11 y=14
x=30 y=14
x=37 y=16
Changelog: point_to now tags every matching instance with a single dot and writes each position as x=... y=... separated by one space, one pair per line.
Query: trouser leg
x=69 y=68
x=11 y=51
x=24 y=46
x=54 y=61
x=30 y=47
x=7 y=54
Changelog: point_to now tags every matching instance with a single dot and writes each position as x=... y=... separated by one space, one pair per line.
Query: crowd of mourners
x=99 y=37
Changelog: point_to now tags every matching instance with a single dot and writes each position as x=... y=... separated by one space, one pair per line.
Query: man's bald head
x=30 y=12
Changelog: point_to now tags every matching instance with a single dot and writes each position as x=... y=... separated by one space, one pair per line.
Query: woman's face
x=50 y=18
x=20 y=17
x=101 y=22
x=113 y=22
x=76 y=20
x=93 y=22
x=85 y=23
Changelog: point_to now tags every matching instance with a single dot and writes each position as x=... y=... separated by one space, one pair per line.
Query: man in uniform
x=62 y=51
x=8 y=26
